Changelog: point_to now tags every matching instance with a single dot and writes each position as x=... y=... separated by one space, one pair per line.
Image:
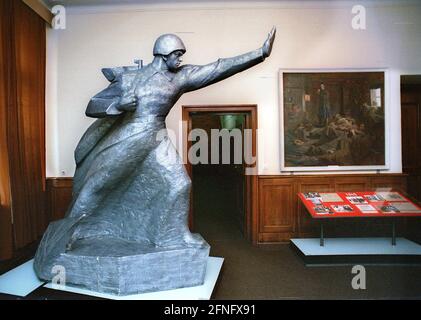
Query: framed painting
x=334 y=119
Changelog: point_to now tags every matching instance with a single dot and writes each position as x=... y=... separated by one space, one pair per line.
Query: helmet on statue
x=167 y=43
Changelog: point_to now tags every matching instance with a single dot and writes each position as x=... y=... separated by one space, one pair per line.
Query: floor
x=279 y=273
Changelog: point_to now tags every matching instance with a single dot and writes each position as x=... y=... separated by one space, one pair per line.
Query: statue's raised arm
x=197 y=77
x=268 y=45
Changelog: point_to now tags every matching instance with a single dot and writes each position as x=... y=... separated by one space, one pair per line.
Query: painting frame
x=288 y=168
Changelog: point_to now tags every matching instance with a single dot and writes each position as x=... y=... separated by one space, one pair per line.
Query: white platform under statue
x=22 y=280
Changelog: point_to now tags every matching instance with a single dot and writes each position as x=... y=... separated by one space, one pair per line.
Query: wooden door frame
x=251 y=186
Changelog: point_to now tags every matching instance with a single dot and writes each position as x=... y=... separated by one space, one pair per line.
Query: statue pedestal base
x=120 y=267
x=202 y=292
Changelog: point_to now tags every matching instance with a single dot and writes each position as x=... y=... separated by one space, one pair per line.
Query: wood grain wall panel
x=272 y=237
x=351 y=183
x=26 y=125
x=59 y=195
x=6 y=237
x=22 y=112
x=277 y=210
x=386 y=183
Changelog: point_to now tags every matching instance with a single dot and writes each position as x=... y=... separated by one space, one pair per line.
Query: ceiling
x=72 y=3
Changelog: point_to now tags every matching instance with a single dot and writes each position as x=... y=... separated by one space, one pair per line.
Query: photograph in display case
x=333 y=120
x=321 y=209
x=388 y=209
x=366 y=208
x=391 y=196
x=374 y=198
x=330 y=197
x=406 y=206
x=342 y=208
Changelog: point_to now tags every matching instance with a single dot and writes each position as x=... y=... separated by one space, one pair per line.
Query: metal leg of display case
x=393 y=232
x=322 y=238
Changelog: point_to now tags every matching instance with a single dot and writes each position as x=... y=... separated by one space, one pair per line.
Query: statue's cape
x=103 y=105
x=105 y=102
x=92 y=136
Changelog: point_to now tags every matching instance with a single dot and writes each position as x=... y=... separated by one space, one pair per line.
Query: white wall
x=309 y=35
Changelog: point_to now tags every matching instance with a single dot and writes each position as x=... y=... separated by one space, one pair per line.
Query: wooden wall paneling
x=351 y=183
x=59 y=195
x=277 y=212
x=6 y=236
x=398 y=182
x=31 y=92
x=17 y=185
x=25 y=130
x=307 y=226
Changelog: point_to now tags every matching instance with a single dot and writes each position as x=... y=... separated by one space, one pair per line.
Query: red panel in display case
x=359 y=204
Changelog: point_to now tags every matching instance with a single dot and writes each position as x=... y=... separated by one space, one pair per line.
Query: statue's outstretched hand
x=267 y=46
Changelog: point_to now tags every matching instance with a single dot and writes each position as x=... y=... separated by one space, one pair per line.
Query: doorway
x=222 y=203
